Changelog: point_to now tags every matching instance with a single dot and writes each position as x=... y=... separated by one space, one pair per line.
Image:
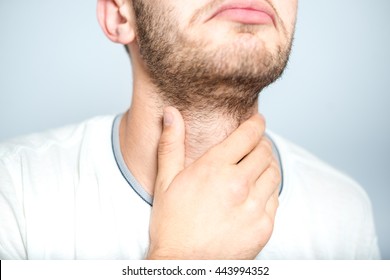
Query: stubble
x=198 y=80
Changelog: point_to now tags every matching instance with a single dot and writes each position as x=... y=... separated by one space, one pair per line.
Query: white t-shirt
x=67 y=194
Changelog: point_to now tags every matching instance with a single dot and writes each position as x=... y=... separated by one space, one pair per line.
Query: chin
x=243 y=40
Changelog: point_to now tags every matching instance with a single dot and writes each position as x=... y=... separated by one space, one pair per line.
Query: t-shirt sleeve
x=367 y=247
x=12 y=220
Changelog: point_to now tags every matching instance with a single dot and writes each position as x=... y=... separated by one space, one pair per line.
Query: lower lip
x=245 y=16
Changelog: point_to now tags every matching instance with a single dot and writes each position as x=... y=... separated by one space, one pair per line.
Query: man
x=192 y=145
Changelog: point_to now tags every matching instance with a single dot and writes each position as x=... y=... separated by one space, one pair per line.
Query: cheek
x=184 y=10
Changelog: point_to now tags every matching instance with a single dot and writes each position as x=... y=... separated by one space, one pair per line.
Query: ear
x=117 y=20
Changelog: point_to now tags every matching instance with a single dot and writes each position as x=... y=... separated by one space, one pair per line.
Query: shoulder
x=39 y=172
x=41 y=159
x=59 y=138
x=315 y=174
x=323 y=205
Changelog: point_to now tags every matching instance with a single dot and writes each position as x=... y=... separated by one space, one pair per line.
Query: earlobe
x=116 y=20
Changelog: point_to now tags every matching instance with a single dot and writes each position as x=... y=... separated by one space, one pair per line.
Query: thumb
x=171 y=149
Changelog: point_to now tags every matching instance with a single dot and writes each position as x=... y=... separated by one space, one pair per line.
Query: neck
x=205 y=129
x=141 y=128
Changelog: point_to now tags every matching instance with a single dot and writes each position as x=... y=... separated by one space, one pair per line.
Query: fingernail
x=168 y=118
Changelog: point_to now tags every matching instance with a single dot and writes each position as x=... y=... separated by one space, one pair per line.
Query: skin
x=223 y=161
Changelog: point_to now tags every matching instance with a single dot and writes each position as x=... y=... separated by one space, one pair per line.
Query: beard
x=197 y=79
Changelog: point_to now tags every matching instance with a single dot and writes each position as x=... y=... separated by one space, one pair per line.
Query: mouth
x=245 y=12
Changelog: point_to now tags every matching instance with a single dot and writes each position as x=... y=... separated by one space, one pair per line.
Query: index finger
x=242 y=141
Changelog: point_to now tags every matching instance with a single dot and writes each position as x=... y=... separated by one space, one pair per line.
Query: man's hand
x=223 y=205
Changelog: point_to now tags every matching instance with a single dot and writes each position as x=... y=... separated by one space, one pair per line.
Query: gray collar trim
x=133 y=183
x=279 y=159
x=116 y=148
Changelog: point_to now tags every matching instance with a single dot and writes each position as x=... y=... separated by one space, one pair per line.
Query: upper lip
x=259 y=5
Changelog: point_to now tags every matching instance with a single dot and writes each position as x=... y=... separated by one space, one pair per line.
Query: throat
x=204 y=130
x=207 y=124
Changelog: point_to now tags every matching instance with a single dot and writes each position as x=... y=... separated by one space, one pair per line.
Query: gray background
x=56 y=67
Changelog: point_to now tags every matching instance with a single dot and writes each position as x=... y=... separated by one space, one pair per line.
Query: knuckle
x=276 y=200
x=274 y=174
x=266 y=151
x=272 y=205
x=239 y=188
x=262 y=121
x=253 y=206
x=267 y=223
x=266 y=143
x=264 y=228
x=259 y=120
x=252 y=132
